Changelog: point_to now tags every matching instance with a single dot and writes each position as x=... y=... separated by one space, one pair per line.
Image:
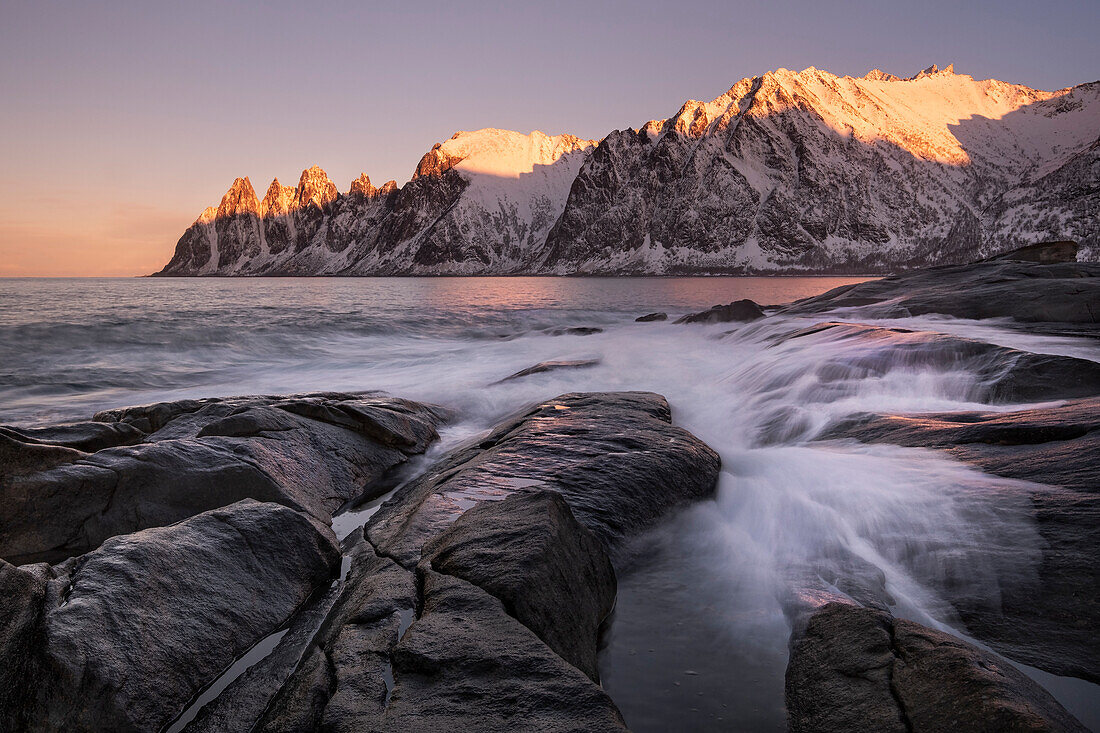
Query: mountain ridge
x=788 y=172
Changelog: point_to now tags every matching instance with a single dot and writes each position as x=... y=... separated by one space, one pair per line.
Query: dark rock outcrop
x=475 y=594
x=312 y=453
x=859 y=669
x=650 y=317
x=615 y=457
x=1046 y=621
x=1045 y=253
x=551 y=366
x=1065 y=292
x=82 y=436
x=738 y=310
x=550 y=573
x=1003 y=375
x=132 y=630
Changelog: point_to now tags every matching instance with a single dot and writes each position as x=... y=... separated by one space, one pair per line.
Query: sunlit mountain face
x=786 y=172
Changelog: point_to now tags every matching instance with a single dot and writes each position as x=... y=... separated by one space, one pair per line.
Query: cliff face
x=786 y=172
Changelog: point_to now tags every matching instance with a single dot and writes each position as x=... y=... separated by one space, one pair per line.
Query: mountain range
x=789 y=172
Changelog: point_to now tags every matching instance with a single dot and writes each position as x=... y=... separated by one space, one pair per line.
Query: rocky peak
x=315 y=188
x=437 y=161
x=934 y=70
x=387 y=188
x=361 y=186
x=880 y=75
x=278 y=199
x=239 y=199
x=692 y=119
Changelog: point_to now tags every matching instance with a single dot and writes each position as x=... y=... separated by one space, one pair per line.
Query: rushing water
x=698 y=640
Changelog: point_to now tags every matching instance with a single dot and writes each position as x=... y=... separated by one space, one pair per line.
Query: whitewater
x=699 y=634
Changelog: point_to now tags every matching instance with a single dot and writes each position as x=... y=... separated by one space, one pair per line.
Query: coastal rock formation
x=785 y=172
x=1027 y=292
x=129 y=632
x=551 y=366
x=472 y=599
x=312 y=453
x=482 y=583
x=1003 y=375
x=859 y=669
x=1046 y=621
x=739 y=310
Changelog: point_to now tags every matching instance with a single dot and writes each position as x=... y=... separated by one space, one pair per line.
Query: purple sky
x=121 y=121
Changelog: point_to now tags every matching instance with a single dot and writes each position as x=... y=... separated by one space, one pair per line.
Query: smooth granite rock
x=1062 y=292
x=550 y=573
x=1001 y=374
x=1047 y=621
x=550 y=366
x=133 y=630
x=860 y=669
x=615 y=458
x=310 y=453
x=738 y=310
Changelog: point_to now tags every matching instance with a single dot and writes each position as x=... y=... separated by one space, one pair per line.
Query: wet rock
x=83 y=436
x=575 y=331
x=22 y=592
x=1004 y=375
x=615 y=458
x=1064 y=292
x=738 y=310
x=859 y=669
x=650 y=317
x=529 y=552
x=345 y=677
x=467 y=664
x=497 y=627
x=1047 y=620
x=134 y=629
x=550 y=366
x=1044 y=252
x=310 y=453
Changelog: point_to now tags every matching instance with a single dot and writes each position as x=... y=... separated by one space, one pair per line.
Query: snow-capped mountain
x=786 y=172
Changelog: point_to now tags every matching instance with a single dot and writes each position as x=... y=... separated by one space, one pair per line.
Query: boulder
x=550 y=366
x=739 y=310
x=130 y=632
x=310 y=453
x=83 y=436
x=615 y=458
x=858 y=669
x=22 y=593
x=550 y=573
x=650 y=317
x=467 y=664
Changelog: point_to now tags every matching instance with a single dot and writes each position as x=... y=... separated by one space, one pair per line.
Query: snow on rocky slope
x=786 y=172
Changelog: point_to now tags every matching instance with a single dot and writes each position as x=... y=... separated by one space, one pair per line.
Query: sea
x=698 y=639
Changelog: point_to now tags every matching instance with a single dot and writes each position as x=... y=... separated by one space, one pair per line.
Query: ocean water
x=698 y=640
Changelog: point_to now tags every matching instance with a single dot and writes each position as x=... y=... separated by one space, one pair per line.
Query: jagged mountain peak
x=361 y=186
x=785 y=171
x=933 y=70
x=880 y=75
x=239 y=199
x=278 y=200
x=315 y=188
